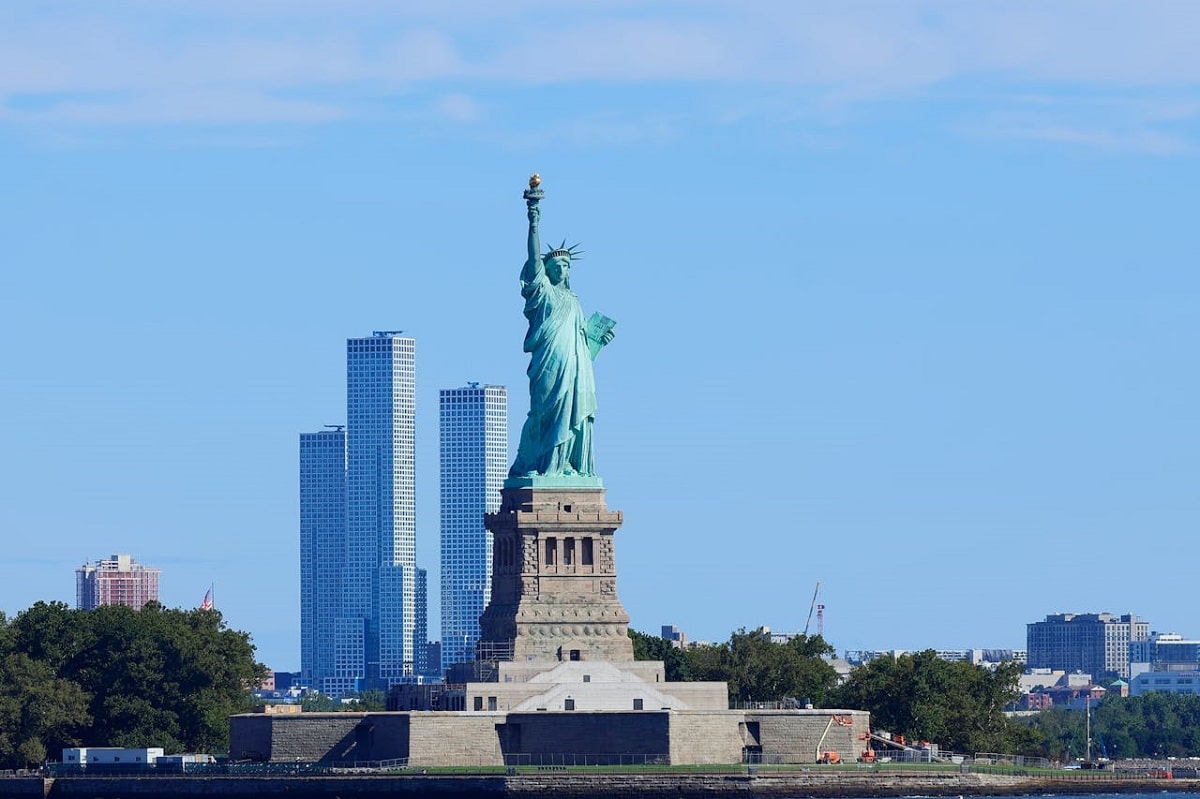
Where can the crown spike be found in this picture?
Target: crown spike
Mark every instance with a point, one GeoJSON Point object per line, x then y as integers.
{"type": "Point", "coordinates": [563, 249]}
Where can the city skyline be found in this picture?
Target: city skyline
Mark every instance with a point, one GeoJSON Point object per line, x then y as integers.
{"type": "Point", "coordinates": [905, 293]}
{"type": "Point", "coordinates": [363, 604]}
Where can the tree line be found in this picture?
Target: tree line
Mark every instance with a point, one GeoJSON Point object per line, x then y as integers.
{"type": "Point", "coordinates": [1154, 725]}
{"type": "Point", "coordinates": [960, 706]}
{"type": "Point", "coordinates": [115, 676]}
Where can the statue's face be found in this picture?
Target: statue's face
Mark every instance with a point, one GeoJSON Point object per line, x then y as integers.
{"type": "Point", "coordinates": [558, 269]}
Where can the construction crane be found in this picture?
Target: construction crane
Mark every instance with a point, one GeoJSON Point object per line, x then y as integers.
{"type": "Point", "coordinates": [812, 607]}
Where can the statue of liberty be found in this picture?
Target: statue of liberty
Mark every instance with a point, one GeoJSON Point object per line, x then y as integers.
{"type": "Point", "coordinates": [557, 437]}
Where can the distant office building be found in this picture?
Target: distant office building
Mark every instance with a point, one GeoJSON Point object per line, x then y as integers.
{"type": "Point", "coordinates": [1163, 652]}
{"type": "Point", "coordinates": [120, 580]}
{"type": "Point", "coordinates": [284, 680]}
{"type": "Point", "coordinates": [322, 553]}
{"type": "Point", "coordinates": [474, 462]}
{"type": "Point", "coordinates": [433, 657]}
{"type": "Point", "coordinates": [1171, 682]}
{"type": "Point", "coordinates": [376, 628]}
{"type": "Point", "coordinates": [677, 637]}
{"type": "Point", "coordinates": [1096, 643]}
{"type": "Point", "coordinates": [420, 644]}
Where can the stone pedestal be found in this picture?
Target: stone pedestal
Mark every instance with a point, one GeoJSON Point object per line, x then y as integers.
{"type": "Point", "coordinates": [554, 579]}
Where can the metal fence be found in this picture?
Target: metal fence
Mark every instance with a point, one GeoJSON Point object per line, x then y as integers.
{"type": "Point", "coordinates": [1018, 761]}
{"type": "Point", "coordinates": [779, 704]}
{"type": "Point", "coordinates": [352, 766]}
{"type": "Point", "coordinates": [564, 759]}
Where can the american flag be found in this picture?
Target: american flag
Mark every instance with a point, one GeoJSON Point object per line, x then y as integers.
{"type": "Point", "coordinates": [207, 604]}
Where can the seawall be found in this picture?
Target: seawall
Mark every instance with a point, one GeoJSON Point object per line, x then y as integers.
{"type": "Point", "coordinates": [667, 785]}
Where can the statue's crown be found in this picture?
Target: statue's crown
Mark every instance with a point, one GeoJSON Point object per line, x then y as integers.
{"type": "Point", "coordinates": [563, 251]}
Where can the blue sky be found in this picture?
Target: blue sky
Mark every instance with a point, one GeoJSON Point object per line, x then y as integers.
{"type": "Point", "coordinates": [906, 291]}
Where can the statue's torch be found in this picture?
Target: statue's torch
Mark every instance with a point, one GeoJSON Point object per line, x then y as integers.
{"type": "Point", "coordinates": [533, 194]}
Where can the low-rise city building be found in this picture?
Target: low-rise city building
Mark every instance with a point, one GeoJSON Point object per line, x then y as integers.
{"type": "Point", "coordinates": [978, 657]}
{"type": "Point", "coordinates": [111, 756]}
{"type": "Point", "coordinates": [1171, 682]}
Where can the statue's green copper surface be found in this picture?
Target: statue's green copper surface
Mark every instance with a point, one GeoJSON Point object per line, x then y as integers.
{"type": "Point", "coordinates": [556, 441]}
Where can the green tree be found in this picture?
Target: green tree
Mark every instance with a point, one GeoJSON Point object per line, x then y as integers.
{"type": "Point", "coordinates": [152, 677]}
{"type": "Point", "coordinates": [955, 704]}
{"type": "Point", "coordinates": [652, 647]}
{"type": "Point", "coordinates": [1151, 725]}
{"type": "Point", "coordinates": [39, 713]}
{"type": "Point", "coordinates": [759, 670]}
{"type": "Point", "coordinates": [317, 702]}
{"type": "Point", "coordinates": [372, 699]}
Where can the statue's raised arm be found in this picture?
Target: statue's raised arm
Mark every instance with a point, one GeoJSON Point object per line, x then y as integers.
{"type": "Point", "coordinates": [533, 264]}
{"type": "Point", "coordinates": [556, 440]}
{"type": "Point", "coordinates": [533, 269]}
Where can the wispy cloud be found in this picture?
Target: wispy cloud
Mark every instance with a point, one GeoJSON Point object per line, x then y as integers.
{"type": "Point", "coordinates": [458, 108]}
{"type": "Point", "coordinates": [1115, 123]}
{"type": "Point", "coordinates": [315, 61]}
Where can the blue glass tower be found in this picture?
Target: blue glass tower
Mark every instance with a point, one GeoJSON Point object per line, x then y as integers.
{"type": "Point", "coordinates": [474, 463]}
{"type": "Point", "coordinates": [322, 549]}
{"type": "Point", "coordinates": [379, 583]}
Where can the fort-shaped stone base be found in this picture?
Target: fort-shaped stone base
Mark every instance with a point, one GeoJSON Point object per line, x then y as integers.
{"type": "Point", "coordinates": [496, 738]}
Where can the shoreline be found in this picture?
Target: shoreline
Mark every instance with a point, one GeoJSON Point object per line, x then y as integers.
{"type": "Point", "coordinates": [664, 785]}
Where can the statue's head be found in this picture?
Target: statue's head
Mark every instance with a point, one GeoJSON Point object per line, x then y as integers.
{"type": "Point", "coordinates": [558, 263]}
{"type": "Point", "coordinates": [558, 269]}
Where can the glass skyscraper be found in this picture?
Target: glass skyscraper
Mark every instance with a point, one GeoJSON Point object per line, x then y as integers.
{"type": "Point", "coordinates": [474, 463]}
{"type": "Point", "coordinates": [376, 633]}
{"type": "Point", "coordinates": [379, 584]}
{"type": "Point", "coordinates": [322, 551]}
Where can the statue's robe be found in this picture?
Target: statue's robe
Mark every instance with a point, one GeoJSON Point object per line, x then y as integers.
{"type": "Point", "coordinates": [557, 436]}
